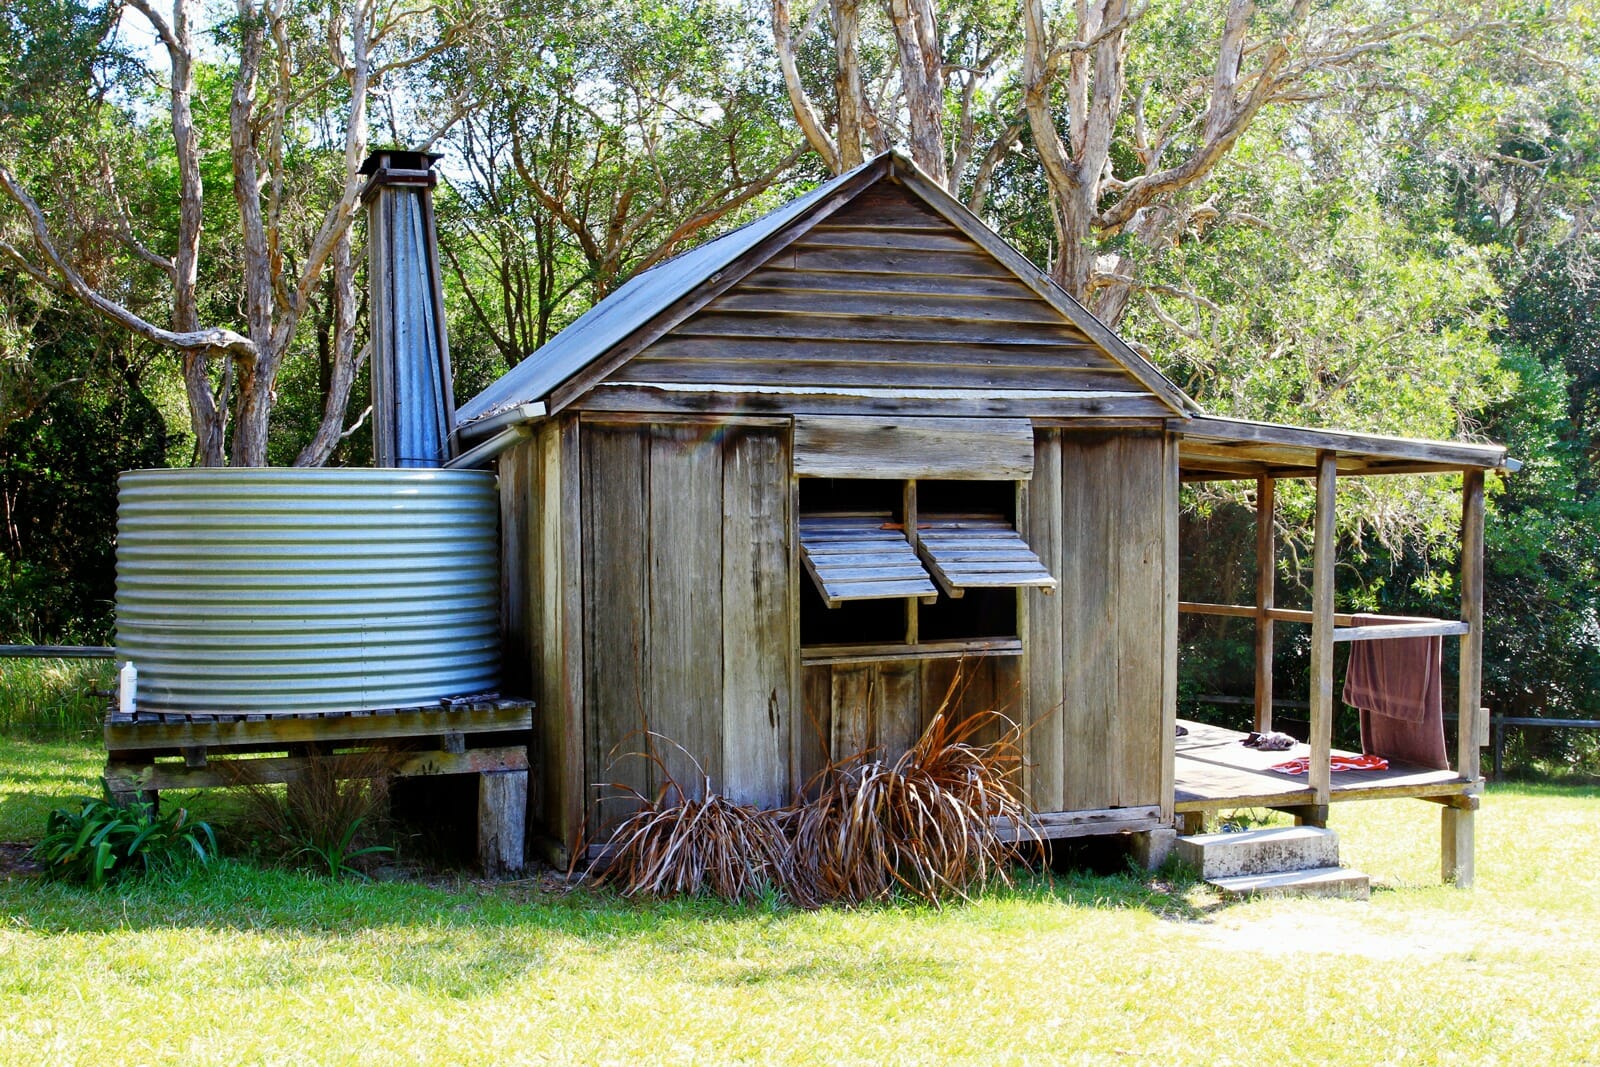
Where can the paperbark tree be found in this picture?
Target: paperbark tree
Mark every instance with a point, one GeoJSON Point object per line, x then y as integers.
{"type": "Point", "coordinates": [940, 63]}
{"type": "Point", "coordinates": [294, 75]}
{"type": "Point", "coordinates": [1125, 150]}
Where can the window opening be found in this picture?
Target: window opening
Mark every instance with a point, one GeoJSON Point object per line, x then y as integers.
{"type": "Point", "coordinates": [960, 585]}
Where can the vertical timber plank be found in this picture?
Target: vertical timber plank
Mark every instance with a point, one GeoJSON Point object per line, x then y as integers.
{"type": "Point", "coordinates": [542, 568]}
{"type": "Point", "coordinates": [569, 536]}
{"type": "Point", "coordinates": [1322, 569]}
{"type": "Point", "coordinates": [814, 730]}
{"type": "Point", "coordinates": [852, 696]}
{"type": "Point", "coordinates": [561, 795]}
{"type": "Point", "coordinates": [685, 635]}
{"type": "Point", "coordinates": [1043, 744]}
{"type": "Point", "coordinates": [944, 683]}
{"type": "Point", "coordinates": [1169, 645]}
{"type": "Point", "coordinates": [756, 652]}
{"type": "Point", "coordinates": [1266, 573]}
{"type": "Point", "coordinates": [616, 595]}
{"type": "Point", "coordinates": [1089, 478]}
{"type": "Point", "coordinates": [1470, 677]}
{"type": "Point", "coordinates": [900, 718]}
{"type": "Point", "coordinates": [1137, 719]}
{"type": "Point", "coordinates": [1457, 845]}
{"type": "Point", "coordinates": [514, 567]}
{"type": "Point", "coordinates": [502, 825]}
{"type": "Point", "coordinates": [1457, 829]}
{"type": "Point", "coordinates": [805, 735]}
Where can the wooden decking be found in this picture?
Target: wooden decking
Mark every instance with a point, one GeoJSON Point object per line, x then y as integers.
{"type": "Point", "coordinates": [1214, 771]}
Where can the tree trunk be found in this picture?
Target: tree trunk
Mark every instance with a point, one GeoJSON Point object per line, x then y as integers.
{"type": "Point", "coordinates": [916, 32]}
{"type": "Point", "coordinates": [847, 81]}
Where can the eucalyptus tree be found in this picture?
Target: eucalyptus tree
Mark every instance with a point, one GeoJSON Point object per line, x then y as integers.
{"type": "Point", "coordinates": [938, 79]}
{"type": "Point", "coordinates": [270, 100]}
{"type": "Point", "coordinates": [609, 137]}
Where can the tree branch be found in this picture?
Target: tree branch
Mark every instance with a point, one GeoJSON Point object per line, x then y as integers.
{"type": "Point", "coordinates": [69, 282]}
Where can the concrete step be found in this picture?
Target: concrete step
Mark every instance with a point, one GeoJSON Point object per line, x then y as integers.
{"type": "Point", "coordinates": [1266, 851]}
{"type": "Point", "coordinates": [1316, 882]}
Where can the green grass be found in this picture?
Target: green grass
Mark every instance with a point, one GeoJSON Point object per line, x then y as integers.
{"type": "Point", "coordinates": [246, 965]}
{"type": "Point", "coordinates": [54, 697]}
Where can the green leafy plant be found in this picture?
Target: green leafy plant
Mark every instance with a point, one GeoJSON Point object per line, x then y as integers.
{"type": "Point", "coordinates": [338, 854]}
{"type": "Point", "coordinates": [100, 842]}
{"type": "Point", "coordinates": [322, 817]}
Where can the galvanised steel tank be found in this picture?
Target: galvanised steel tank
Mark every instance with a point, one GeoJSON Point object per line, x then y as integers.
{"type": "Point", "coordinates": [282, 590]}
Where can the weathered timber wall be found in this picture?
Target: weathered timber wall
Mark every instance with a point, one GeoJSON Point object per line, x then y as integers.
{"type": "Point", "coordinates": [687, 596]}
{"type": "Point", "coordinates": [852, 707]}
{"type": "Point", "coordinates": [1101, 693]}
{"type": "Point", "coordinates": [650, 586]}
{"type": "Point", "coordinates": [540, 572]}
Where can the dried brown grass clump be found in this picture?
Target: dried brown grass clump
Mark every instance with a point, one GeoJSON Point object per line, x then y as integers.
{"type": "Point", "coordinates": [925, 823]}
{"type": "Point", "coordinates": [940, 821]}
{"type": "Point", "coordinates": [677, 843]}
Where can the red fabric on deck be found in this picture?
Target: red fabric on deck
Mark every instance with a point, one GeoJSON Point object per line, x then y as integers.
{"type": "Point", "coordinates": [1302, 765]}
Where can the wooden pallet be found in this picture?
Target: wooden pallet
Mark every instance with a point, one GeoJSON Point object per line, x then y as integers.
{"type": "Point", "coordinates": [148, 752]}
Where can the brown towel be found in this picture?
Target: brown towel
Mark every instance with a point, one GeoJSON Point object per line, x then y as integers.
{"type": "Point", "coordinates": [1395, 682]}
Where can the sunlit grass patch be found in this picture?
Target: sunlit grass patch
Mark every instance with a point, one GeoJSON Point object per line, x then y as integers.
{"type": "Point", "coordinates": [249, 964]}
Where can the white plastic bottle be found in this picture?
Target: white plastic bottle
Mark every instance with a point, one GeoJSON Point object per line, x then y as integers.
{"type": "Point", "coordinates": [127, 687]}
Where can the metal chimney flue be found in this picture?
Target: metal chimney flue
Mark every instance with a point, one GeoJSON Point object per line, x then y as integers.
{"type": "Point", "coordinates": [413, 407]}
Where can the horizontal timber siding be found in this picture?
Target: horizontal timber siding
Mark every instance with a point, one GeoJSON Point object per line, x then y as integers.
{"type": "Point", "coordinates": [884, 293]}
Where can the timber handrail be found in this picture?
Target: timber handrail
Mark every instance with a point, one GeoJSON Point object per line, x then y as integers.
{"type": "Point", "coordinates": [1346, 628]}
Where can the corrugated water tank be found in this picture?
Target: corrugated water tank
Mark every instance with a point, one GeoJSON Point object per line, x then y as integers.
{"type": "Point", "coordinates": [284, 590]}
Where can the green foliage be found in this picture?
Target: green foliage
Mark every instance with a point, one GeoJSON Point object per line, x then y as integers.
{"type": "Point", "coordinates": [319, 820]}
{"type": "Point", "coordinates": [101, 842]}
{"type": "Point", "coordinates": [53, 698]}
{"type": "Point", "coordinates": [74, 412]}
{"type": "Point", "coordinates": [338, 852]}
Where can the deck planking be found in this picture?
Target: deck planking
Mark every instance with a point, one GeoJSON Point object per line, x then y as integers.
{"type": "Point", "coordinates": [1213, 770]}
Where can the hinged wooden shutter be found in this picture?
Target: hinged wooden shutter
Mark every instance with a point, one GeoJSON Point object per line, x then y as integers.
{"type": "Point", "coordinates": [975, 553]}
{"type": "Point", "coordinates": [861, 557]}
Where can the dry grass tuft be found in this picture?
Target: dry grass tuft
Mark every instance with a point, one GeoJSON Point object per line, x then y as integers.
{"type": "Point", "coordinates": [333, 807]}
{"type": "Point", "coordinates": [925, 823]}
{"type": "Point", "coordinates": [678, 843]}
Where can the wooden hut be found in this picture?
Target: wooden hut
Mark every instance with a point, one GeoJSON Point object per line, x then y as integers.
{"type": "Point", "coordinates": [767, 499]}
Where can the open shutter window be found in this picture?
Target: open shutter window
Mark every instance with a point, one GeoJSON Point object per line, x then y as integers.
{"type": "Point", "coordinates": [977, 553]}
{"type": "Point", "coordinates": [861, 557]}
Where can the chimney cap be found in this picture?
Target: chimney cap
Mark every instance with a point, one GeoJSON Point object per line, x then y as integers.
{"type": "Point", "coordinates": [398, 159]}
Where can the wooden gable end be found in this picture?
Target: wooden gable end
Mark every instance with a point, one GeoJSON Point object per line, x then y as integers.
{"type": "Point", "coordinates": [885, 294]}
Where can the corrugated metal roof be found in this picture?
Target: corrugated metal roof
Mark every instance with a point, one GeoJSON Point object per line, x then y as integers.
{"type": "Point", "coordinates": [640, 299]}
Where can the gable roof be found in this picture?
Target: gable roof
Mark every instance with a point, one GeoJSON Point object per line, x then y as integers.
{"type": "Point", "coordinates": [655, 300]}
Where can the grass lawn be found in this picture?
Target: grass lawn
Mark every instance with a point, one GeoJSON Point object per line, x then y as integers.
{"type": "Point", "coordinates": [243, 965]}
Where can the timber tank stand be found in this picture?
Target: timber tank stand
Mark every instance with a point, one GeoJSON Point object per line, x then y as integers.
{"type": "Point", "coordinates": [148, 752]}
